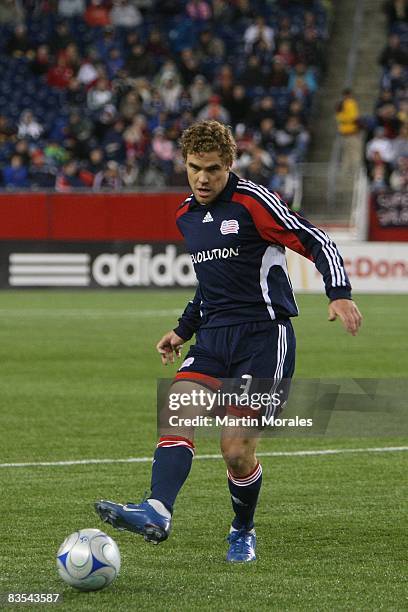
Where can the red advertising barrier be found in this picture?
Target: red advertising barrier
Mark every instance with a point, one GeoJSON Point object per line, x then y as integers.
{"type": "Point", "coordinates": [144, 216]}
{"type": "Point", "coordinates": [78, 216]}
{"type": "Point", "coordinates": [388, 217]}
{"type": "Point", "coordinates": [23, 216]}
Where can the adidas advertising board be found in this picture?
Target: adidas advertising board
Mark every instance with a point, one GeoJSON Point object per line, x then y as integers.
{"type": "Point", "coordinates": [116, 264]}
{"type": "Point", "coordinates": [377, 267]}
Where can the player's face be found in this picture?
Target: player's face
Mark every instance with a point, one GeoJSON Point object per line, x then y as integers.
{"type": "Point", "coordinates": [207, 175]}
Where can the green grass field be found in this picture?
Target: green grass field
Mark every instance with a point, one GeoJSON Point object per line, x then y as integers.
{"type": "Point", "coordinates": [78, 381]}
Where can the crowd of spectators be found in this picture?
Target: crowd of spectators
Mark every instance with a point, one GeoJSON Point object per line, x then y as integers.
{"type": "Point", "coordinates": [95, 93]}
{"type": "Point", "coordinates": [386, 150]}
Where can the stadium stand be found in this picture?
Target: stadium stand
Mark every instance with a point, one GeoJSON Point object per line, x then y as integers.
{"type": "Point", "coordinates": [386, 152]}
{"type": "Point", "coordinates": [94, 95]}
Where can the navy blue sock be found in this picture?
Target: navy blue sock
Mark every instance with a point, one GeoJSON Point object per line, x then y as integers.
{"type": "Point", "coordinates": [171, 466]}
{"type": "Point", "coordinates": [244, 497]}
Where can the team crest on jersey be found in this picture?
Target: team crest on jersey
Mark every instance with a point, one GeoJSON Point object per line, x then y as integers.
{"type": "Point", "coordinates": [229, 226]}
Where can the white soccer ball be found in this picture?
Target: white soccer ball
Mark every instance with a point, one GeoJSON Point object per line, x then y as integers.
{"type": "Point", "coordinates": [88, 560]}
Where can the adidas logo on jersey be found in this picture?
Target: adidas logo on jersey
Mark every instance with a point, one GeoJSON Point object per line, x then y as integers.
{"type": "Point", "coordinates": [208, 218]}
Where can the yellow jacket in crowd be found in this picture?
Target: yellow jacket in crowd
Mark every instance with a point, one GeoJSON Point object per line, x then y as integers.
{"type": "Point", "coordinates": [347, 117]}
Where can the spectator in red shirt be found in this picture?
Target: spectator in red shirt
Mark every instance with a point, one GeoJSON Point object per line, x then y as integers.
{"type": "Point", "coordinates": [97, 14]}
{"type": "Point", "coordinates": [285, 54]}
{"type": "Point", "coordinates": [60, 75]}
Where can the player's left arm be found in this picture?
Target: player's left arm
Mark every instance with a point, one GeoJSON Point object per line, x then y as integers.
{"type": "Point", "coordinates": [286, 227]}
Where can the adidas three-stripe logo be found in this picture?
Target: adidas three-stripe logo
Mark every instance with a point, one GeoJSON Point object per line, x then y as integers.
{"type": "Point", "coordinates": [208, 218]}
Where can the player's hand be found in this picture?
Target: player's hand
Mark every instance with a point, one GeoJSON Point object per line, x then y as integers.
{"type": "Point", "coordinates": [348, 313]}
{"type": "Point", "coordinates": [168, 346]}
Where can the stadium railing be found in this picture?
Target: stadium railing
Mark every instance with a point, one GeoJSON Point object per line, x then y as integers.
{"type": "Point", "coordinates": [325, 199]}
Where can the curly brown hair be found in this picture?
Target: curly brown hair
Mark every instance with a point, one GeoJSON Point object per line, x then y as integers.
{"type": "Point", "coordinates": [207, 136]}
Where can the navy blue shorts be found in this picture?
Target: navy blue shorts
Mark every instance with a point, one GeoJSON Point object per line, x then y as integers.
{"type": "Point", "coordinates": [260, 350]}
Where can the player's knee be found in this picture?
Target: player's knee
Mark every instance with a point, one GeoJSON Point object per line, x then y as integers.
{"type": "Point", "coordinates": [239, 458]}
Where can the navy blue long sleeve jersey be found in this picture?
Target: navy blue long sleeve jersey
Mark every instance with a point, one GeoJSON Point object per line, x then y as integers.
{"type": "Point", "coordinates": [237, 245]}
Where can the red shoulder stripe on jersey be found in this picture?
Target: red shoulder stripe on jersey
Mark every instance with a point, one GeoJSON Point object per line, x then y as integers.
{"type": "Point", "coordinates": [268, 227]}
{"type": "Point", "coordinates": [183, 208]}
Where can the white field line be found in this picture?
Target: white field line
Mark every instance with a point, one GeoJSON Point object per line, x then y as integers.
{"type": "Point", "coordinates": [301, 453]}
{"type": "Point", "coordinates": [87, 313]}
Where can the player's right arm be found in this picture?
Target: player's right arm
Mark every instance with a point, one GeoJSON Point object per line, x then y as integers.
{"type": "Point", "coordinates": [189, 322]}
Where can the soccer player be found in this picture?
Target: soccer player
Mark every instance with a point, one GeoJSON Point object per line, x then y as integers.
{"type": "Point", "coordinates": [236, 232]}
